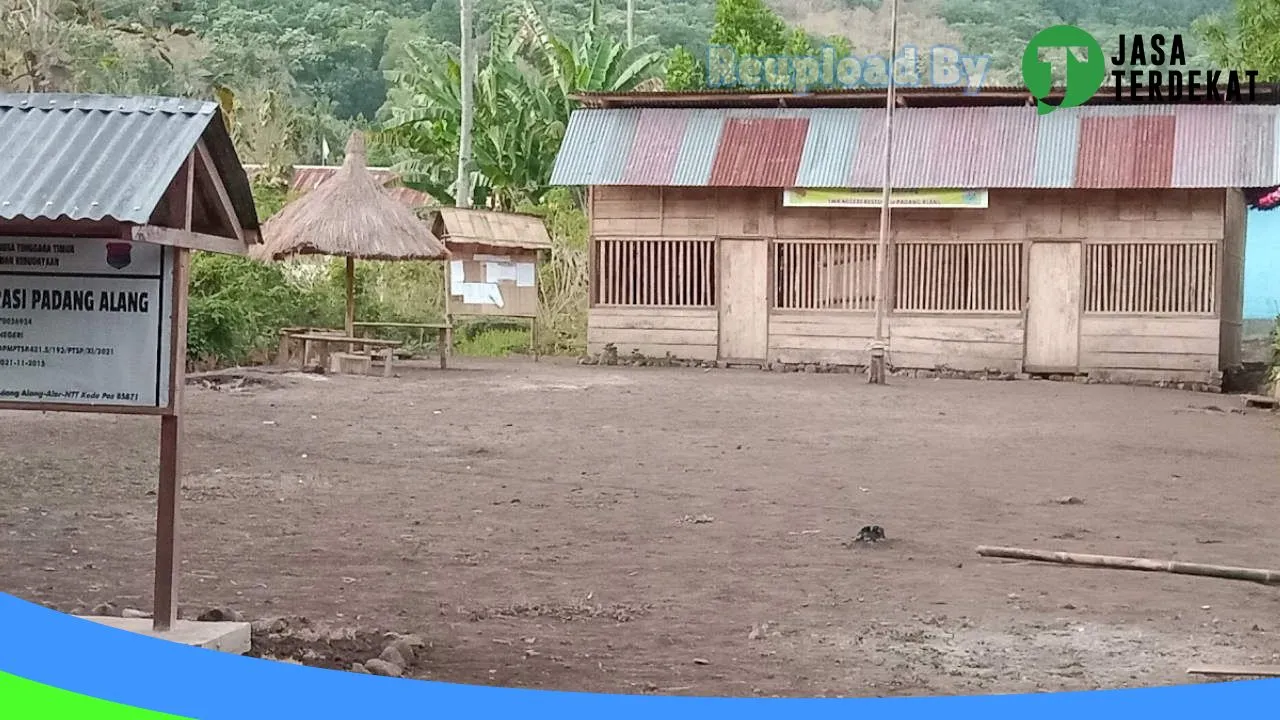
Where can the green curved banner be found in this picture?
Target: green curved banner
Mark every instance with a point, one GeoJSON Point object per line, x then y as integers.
{"type": "Point", "coordinates": [27, 700]}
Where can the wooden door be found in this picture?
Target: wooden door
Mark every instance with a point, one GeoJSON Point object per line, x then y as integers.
{"type": "Point", "coordinates": [1053, 307]}
{"type": "Point", "coordinates": [744, 300]}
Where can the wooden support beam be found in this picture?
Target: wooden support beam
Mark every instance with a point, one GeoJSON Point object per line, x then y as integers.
{"type": "Point", "coordinates": [220, 190]}
{"type": "Point", "coordinates": [169, 488]}
{"type": "Point", "coordinates": [188, 239]}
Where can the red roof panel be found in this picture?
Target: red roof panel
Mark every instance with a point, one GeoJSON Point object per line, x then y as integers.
{"type": "Point", "coordinates": [1107, 157]}
{"type": "Point", "coordinates": [759, 152]}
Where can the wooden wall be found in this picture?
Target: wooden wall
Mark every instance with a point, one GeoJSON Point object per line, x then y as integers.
{"type": "Point", "coordinates": [974, 332]}
{"type": "Point", "coordinates": [686, 334]}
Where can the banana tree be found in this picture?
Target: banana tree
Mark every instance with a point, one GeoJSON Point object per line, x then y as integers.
{"type": "Point", "coordinates": [593, 61]}
{"type": "Point", "coordinates": [516, 127]}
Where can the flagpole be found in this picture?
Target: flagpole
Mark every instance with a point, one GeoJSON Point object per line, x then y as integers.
{"type": "Point", "coordinates": [876, 368]}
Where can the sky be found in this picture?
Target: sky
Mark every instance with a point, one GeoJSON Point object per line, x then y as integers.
{"type": "Point", "coordinates": [1262, 265]}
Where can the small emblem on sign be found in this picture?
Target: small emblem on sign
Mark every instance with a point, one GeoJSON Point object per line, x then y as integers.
{"type": "Point", "coordinates": [119, 255]}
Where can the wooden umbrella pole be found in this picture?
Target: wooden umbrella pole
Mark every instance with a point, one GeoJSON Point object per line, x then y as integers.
{"type": "Point", "coordinates": [351, 299]}
{"type": "Point", "coordinates": [1266, 577]}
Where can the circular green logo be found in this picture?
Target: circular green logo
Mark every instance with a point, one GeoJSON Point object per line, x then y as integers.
{"type": "Point", "coordinates": [1082, 79]}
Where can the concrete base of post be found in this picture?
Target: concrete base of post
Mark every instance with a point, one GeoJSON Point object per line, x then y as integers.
{"type": "Point", "coordinates": [231, 637]}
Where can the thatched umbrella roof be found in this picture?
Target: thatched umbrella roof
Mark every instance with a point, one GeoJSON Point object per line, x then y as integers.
{"type": "Point", "coordinates": [350, 215]}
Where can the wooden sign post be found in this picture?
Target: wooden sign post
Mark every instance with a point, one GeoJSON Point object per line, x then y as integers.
{"type": "Point", "coordinates": [99, 325]}
{"type": "Point", "coordinates": [93, 295]}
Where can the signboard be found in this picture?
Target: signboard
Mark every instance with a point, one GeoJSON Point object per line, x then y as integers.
{"type": "Point", "coordinates": [837, 197]}
{"type": "Point", "coordinates": [85, 321]}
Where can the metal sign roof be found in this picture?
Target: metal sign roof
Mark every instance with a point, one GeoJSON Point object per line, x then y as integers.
{"type": "Point", "coordinates": [95, 157]}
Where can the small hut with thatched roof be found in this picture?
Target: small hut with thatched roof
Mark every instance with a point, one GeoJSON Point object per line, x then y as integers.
{"type": "Point", "coordinates": [350, 215]}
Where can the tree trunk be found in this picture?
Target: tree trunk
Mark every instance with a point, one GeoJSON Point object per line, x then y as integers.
{"type": "Point", "coordinates": [631, 14]}
{"type": "Point", "coordinates": [462, 193]}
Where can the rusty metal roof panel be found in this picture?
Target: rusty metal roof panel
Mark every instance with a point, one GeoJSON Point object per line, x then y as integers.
{"type": "Point", "coordinates": [1000, 147]}
{"type": "Point", "coordinates": [86, 157]}
{"type": "Point", "coordinates": [760, 151]}
{"type": "Point", "coordinates": [1126, 152]}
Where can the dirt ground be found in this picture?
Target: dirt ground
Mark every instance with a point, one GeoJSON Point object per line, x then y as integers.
{"type": "Point", "coordinates": [635, 529]}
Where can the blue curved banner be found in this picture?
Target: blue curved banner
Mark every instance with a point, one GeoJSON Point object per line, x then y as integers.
{"type": "Point", "coordinates": [43, 652]}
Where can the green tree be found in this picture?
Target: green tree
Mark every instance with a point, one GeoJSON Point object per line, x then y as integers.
{"type": "Point", "coordinates": [1248, 40]}
{"type": "Point", "coordinates": [750, 28]}
{"type": "Point", "coordinates": [592, 61]}
{"type": "Point", "coordinates": [683, 71]}
{"type": "Point", "coordinates": [523, 90]}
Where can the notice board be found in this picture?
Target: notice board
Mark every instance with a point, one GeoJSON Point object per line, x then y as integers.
{"type": "Point", "coordinates": [499, 285]}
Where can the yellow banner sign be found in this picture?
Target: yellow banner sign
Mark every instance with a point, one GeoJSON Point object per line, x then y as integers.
{"type": "Point", "coordinates": [838, 197]}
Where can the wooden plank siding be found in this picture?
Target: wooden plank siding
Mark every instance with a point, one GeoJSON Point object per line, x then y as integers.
{"type": "Point", "coordinates": [1159, 277]}
{"type": "Point", "coordinates": [686, 334]}
{"type": "Point", "coordinates": [1149, 343]}
{"type": "Point", "coordinates": [966, 343]}
{"type": "Point", "coordinates": [809, 337]}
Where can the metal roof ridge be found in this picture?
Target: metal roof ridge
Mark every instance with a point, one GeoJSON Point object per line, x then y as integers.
{"type": "Point", "coordinates": [106, 103]}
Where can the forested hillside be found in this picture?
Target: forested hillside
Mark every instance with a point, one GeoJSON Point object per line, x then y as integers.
{"type": "Point", "coordinates": [327, 59]}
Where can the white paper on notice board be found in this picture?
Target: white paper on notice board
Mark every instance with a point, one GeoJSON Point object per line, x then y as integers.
{"type": "Point", "coordinates": [480, 294]}
{"type": "Point", "coordinates": [524, 274]}
{"type": "Point", "coordinates": [456, 275]}
{"type": "Point", "coordinates": [497, 272]}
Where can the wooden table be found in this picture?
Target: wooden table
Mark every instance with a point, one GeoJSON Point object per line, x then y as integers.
{"type": "Point", "coordinates": [444, 334]}
{"type": "Point", "coordinates": [326, 340]}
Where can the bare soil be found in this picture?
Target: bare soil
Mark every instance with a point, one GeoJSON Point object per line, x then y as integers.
{"type": "Point", "coordinates": [677, 530]}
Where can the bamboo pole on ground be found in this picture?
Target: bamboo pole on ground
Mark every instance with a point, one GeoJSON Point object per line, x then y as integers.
{"type": "Point", "coordinates": [1236, 670]}
{"type": "Point", "coordinates": [1266, 577]}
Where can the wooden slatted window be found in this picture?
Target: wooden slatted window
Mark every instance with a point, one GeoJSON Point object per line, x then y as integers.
{"type": "Point", "coordinates": [981, 277]}
{"type": "Point", "coordinates": [655, 272]}
{"type": "Point", "coordinates": [1150, 278]}
{"type": "Point", "coordinates": [824, 275]}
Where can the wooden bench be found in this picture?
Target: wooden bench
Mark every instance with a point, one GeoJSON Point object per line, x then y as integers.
{"type": "Point", "coordinates": [444, 334]}
{"type": "Point", "coordinates": [323, 342]}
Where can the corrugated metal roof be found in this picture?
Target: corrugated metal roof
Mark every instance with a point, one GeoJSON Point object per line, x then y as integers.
{"type": "Point", "coordinates": [867, 97]}
{"type": "Point", "coordinates": [95, 157]}
{"type": "Point", "coordinates": [1115, 146]}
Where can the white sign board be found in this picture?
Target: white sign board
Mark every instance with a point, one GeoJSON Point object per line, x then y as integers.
{"type": "Point", "coordinates": [85, 321]}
